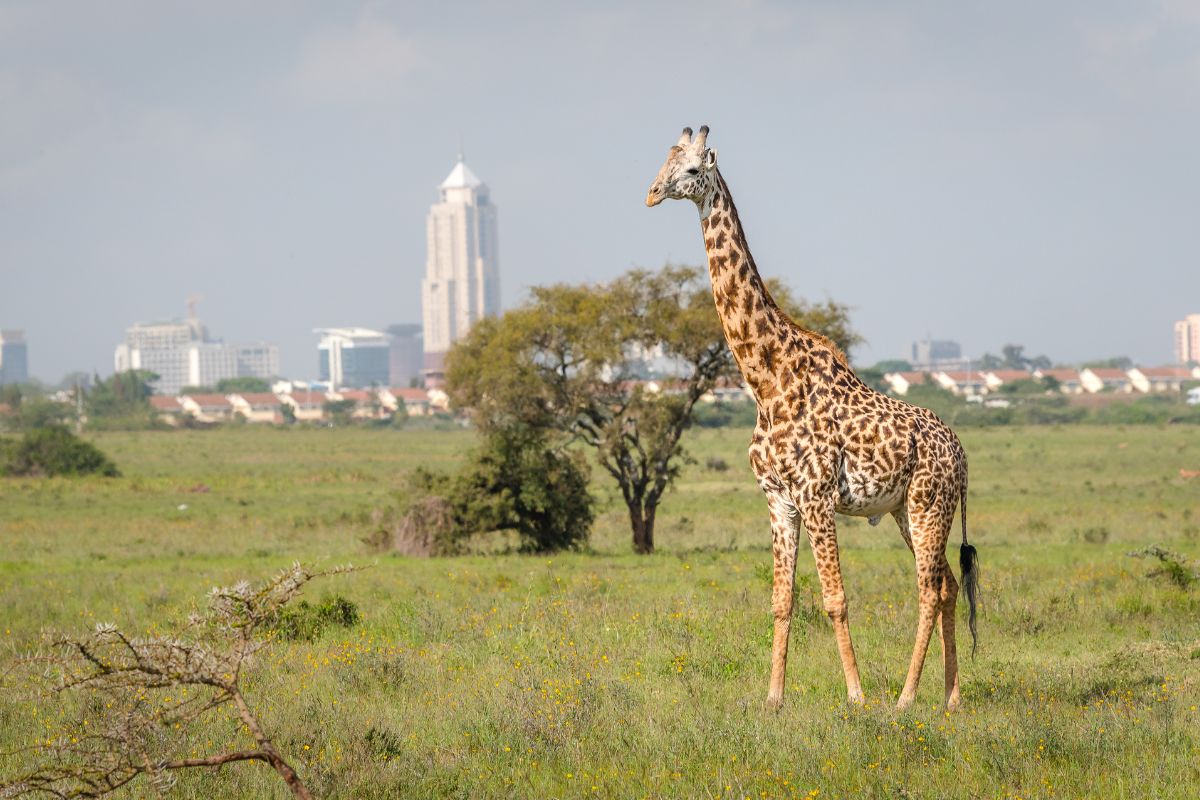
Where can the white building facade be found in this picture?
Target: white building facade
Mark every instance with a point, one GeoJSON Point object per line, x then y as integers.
{"type": "Point", "coordinates": [462, 277]}
{"type": "Point", "coordinates": [1187, 339]}
{"type": "Point", "coordinates": [179, 353]}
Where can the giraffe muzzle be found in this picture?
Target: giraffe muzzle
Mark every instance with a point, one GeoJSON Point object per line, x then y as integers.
{"type": "Point", "coordinates": [654, 196]}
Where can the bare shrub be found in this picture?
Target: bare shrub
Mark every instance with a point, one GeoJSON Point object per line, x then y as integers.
{"type": "Point", "coordinates": [427, 529]}
{"type": "Point", "coordinates": [137, 715]}
{"type": "Point", "coordinates": [1174, 566]}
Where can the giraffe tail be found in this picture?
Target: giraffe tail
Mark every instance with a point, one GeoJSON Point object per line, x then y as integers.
{"type": "Point", "coordinates": [969, 563]}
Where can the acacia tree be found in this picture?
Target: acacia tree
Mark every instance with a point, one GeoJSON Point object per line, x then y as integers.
{"type": "Point", "coordinates": [569, 360]}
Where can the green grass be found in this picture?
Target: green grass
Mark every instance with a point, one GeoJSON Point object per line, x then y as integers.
{"type": "Point", "coordinates": [603, 674]}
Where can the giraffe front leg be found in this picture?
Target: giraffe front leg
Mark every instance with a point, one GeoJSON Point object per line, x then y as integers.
{"type": "Point", "coordinates": [822, 536]}
{"type": "Point", "coordinates": [784, 543]}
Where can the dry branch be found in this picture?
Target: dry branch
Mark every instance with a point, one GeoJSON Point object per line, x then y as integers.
{"type": "Point", "coordinates": [136, 731]}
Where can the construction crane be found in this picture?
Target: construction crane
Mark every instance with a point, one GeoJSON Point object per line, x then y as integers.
{"type": "Point", "coordinates": [192, 300]}
{"type": "Point", "coordinates": [198, 332]}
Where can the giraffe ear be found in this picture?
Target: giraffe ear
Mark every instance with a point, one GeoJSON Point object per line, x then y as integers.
{"type": "Point", "coordinates": [710, 159]}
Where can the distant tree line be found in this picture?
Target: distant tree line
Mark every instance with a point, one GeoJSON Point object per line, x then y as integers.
{"type": "Point", "coordinates": [1032, 402]}
{"type": "Point", "coordinates": [231, 386]}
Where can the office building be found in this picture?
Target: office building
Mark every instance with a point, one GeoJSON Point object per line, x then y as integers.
{"type": "Point", "coordinates": [353, 358]}
{"type": "Point", "coordinates": [14, 357]}
{"type": "Point", "coordinates": [181, 354]}
{"type": "Point", "coordinates": [462, 278]}
{"type": "Point", "coordinates": [405, 357]}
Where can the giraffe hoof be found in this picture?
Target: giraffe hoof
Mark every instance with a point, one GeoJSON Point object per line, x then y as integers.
{"type": "Point", "coordinates": [903, 703]}
{"type": "Point", "coordinates": [856, 697]}
{"type": "Point", "coordinates": [952, 703]}
{"type": "Point", "coordinates": [774, 703]}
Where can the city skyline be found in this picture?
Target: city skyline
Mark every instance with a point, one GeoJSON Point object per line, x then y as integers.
{"type": "Point", "coordinates": [1185, 336]}
{"type": "Point", "coordinates": [989, 173]}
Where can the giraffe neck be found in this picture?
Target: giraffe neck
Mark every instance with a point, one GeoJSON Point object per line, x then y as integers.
{"type": "Point", "coordinates": [754, 325]}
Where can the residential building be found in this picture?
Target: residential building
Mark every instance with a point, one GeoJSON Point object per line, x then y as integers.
{"type": "Point", "coordinates": [416, 401]}
{"type": "Point", "coordinates": [462, 277]}
{"type": "Point", "coordinates": [1187, 340]}
{"type": "Point", "coordinates": [14, 357]}
{"type": "Point", "coordinates": [367, 404]}
{"type": "Point", "coordinates": [307, 405]}
{"type": "Point", "coordinates": [1069, 381]}
{"type": "Point", "coordinates": [900, 382]}
{"type": "Point", "coordinates": [257, 406]}
{"type": "Point", "coordinates": [207, 407]}
{"type": "Point", "coordinates": [993, 379]}
{"type": "Point", "coordinates": [167, 408]}
{"type": "Point", "coordinates": [1162, 379]}
{"type": "Point", "coordinates": [406, 354]}
{"type": "Point", "coordinates": [1104, 379]}
{"type": "Point", "coordinates": [353, 357]}
{"type": "Point", "coordinates": [967, 383]}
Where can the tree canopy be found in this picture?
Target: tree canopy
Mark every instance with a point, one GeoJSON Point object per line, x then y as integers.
{"type": "Point", "coordinates": [121, 400]}
{"type": "Point", "coordinates": [575, 359]}
{"type": "Point", "coordinates": [1012, 356]}
{"type": "Point", "coordinates": [244, 383]}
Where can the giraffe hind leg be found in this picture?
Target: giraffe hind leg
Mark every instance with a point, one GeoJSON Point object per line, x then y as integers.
{"type": "Point", "coordinates": [936, 592]}
{"type": "Point", "coordinates": [948, 598]}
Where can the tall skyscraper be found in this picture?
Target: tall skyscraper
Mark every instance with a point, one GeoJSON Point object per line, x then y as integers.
{"type": "Point", "coordinates": [1187, 339]}
{"type": "Point", "coordinates": [14, 357]}
{"type": "Point", "coordinates": [462, 277]}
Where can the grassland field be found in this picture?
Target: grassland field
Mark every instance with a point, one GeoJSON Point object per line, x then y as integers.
{"type": "Point", "coordinates": [605, 674]}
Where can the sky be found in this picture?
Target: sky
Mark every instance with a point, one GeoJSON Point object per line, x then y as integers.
{"type": "Point", "coordinates": [986, 172]}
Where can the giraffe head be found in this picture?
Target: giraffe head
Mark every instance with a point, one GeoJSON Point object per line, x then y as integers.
{"type": "Point", "coordinates": [688, 173]}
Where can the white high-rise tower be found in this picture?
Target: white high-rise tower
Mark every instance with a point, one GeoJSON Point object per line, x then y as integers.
{"type": "Point", "coordinates": [462, 277]}
{"type": "Point", "coordinates": [1187, 339]}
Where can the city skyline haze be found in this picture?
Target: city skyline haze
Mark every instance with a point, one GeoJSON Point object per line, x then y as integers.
{"type": "Point", "coordinates": [1024, 173]}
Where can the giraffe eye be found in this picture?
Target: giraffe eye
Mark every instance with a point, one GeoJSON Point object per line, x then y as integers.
{"type": "Point", "coordinates": [692, 171]}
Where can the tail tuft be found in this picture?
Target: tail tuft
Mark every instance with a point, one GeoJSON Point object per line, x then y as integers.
{"type": "Point", "coordinates": [968, 561]}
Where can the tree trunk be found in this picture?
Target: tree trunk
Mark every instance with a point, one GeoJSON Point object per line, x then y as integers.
{"type": "Point", "coordinates": [642, 520]}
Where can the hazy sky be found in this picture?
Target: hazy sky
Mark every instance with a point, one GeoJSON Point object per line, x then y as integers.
{"type": "Point", "coordinates": [987, 172]}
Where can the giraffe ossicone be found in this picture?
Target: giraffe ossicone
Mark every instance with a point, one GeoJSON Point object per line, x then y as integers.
{"type": "Point", "coordinates": [826, 443]}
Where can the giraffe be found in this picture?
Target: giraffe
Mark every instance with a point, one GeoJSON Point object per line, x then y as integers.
{"type": "Point", "coordinates": [827, 443]}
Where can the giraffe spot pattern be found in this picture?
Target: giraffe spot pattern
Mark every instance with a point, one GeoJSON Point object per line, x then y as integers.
{"type": "Point", "coordinates": [827, 443]}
